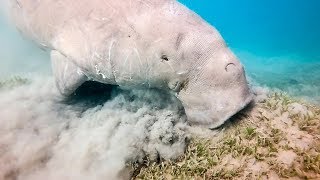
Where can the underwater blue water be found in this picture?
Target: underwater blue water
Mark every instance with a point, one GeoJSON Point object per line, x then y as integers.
{"type": "Point", "coordinates": [278, 41]}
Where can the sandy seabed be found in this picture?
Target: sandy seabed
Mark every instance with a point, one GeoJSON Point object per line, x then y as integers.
{"type": "Point", "coordinates": [277, 137]}
{"type": "Point", "coordinates": [143, 134]}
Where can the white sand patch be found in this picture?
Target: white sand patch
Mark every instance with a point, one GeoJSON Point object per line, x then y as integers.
{"type": "Point", "coordinates": [296, 109]}
{"type": "Point", "coordinates": [286, 157]}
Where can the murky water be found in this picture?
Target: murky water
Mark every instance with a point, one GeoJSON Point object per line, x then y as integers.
{"type": "Point", "coordinates": [18, 56]}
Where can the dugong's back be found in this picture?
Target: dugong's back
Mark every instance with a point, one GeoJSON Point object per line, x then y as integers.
{"type": "Point", "coordinates": [42, 20]}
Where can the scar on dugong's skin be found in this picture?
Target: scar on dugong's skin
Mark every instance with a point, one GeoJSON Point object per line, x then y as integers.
{"type": "Point", "coordinates": [139, 43]}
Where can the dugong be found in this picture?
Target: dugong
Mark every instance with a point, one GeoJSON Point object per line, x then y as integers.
{"type": "Point", "coordinates": [138, 43]}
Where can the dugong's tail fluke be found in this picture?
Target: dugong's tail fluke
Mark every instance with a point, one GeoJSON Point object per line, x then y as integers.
{"type": "Point", "coordinates": [68, 76]}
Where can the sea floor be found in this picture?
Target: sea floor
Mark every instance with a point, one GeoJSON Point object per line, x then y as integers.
{"type": "Point", "coordinates": [276, 138]}
{"type": "Point", "coordinates": [128, 133]}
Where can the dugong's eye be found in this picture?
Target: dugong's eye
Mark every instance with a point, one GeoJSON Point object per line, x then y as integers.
{"type": "Point", "coordinates": [164, 58]}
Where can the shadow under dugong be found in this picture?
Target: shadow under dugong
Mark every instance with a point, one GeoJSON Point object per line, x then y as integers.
{"type": "Point", "coordinates": [139, 43]}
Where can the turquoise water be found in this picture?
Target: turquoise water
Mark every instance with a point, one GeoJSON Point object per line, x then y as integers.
{"type": "Point", "coordinates": [278, 41]}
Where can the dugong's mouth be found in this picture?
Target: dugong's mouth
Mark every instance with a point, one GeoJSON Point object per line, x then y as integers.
{"type": "Point", "coordinates": [245, 104]}
{"type": "Point", "coordinates": [211, 118]}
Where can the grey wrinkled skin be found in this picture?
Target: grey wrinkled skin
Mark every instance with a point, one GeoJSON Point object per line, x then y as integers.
{"type": "Point", "coordinates": [138, 43]}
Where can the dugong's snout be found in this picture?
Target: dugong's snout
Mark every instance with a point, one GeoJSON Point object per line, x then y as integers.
{"type": "Point", "coordinates": [216, 93]}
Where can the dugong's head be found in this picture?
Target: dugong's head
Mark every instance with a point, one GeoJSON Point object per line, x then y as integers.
{"type": "Point", "coordinates": [209, 79]}
{"type": "Point", "coordinates": [216, 89]}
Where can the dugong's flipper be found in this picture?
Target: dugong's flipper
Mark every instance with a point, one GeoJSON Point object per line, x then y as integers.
{"type": "Point", "coordinates": [67, 75]}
